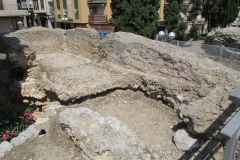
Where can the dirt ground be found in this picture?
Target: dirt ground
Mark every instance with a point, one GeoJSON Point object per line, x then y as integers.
{"type": "Point", "coordinates": [151, 120]}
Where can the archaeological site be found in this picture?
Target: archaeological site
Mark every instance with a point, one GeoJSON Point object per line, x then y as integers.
{"type": "Point", "coordinates": [124, 97]}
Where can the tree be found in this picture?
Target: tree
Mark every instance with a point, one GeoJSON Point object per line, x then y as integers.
{"type": "Point", "coordinates": [136, 16]}
{"type": "Point", "coordinates": [228, 12]}
{"type": "Point", "coordinates": [194, 11]}
{"type": "Point", "coordinates": [210, 12]}
{"type": "Point", "coordinates": [219, 12]}
{"type": "Point", "coordinates": [193, 33]}
{"type": "Point", "coordinates": [180, 31]}
{"type": "Point", "coordinates": [171, 14]}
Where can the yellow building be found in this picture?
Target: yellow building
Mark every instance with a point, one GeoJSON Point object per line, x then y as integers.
{"type": "Point", "coordinates": [87, 14]}
{"type": "Point", "coordinates": [161, 9]}
{"type": "Point", "coordinates": [84, 13]}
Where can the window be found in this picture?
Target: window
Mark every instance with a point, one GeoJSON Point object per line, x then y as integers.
{"type": "Point", "coordinates": [42, 4]}
{"type": "Point", "coordinates": [50, 7]}
{"type": "Point", "coordinates": [58, 3]}
{"type": "Point", "coordinates": [76, 3]}
{"type": "Point", "coordinates": [92, 10]}
{"type": "Point", "coordinates": [64, 3]}
{"type": "Point", "coordinates": [65, 12]}
{"type": "Point", "coordinates": [59, 13]}
{"type": "Point", "coordinates": [77, 15]}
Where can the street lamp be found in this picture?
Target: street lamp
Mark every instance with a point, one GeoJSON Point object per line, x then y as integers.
{"type": "Point", "coordinates": [64, 21]}
{"type": "Point", "coordinates": [29, 20]}
{"type": "Point", "coordinates": [166, 36]}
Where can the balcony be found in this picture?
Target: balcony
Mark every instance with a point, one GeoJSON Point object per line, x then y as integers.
{"type": "Point", "coordinates": [97, 18]}
{"type": "Point", "coordinates": [11, 10]}
{"type": "Point", "coordinates": [38, 8]}
{"type": "Point", "coordinates": [10, 7]}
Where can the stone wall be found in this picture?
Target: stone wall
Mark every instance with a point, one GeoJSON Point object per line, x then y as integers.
{"type": "Point", "coordinates": [22, 46]}
{"type": "Point", "coordinates": [83, 41]}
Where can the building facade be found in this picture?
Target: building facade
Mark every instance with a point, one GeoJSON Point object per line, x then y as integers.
{"type": "Point", "coordinates": [88, 14]}
{"type": "Point", "coordinates": [84, 13]}
{"type": "Point", "coordinates": [41, 13]}
{"type": "Point", "coordinates": [32, 13]}
{"type": "Point", "coordinates": [11, 12]}
{"type": "Point", "coordinates": [200, 21]}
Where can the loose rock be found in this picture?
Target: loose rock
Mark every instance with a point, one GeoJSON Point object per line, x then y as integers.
{"type": "Point", "coordinates": [99, 137]}
{"type": "Point", "coordinates": [184, 140]}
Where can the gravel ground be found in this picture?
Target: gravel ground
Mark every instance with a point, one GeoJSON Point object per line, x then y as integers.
{"type": "Point", "coordinates": [151, 120]}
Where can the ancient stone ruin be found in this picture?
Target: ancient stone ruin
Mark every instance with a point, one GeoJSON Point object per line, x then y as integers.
{"type": "Point", "coordinates": [69, 66]}
{"type": "Point", "coordinates": [228, 37]}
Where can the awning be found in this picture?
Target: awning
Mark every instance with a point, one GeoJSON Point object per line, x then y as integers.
{"type": "Point", "coordinates": [96, 4]}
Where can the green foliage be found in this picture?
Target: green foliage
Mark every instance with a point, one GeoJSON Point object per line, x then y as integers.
{"type": "Point", "coordinates": [194, 11]}
{"type": "Point", "coordinates": [220, 12]}
{"type": "Point", "coordinates": [171, 15]}
{"type": "Point", "coordinates": [180, 31]}
{"type": "Point", "coordinates": [228, 11]}
{"type": "Point", "coordinates": [193, 33]}
{"type": "Point", "coordinates": [136, 16]}
{"type": "Point", "coordinates": [12, 117]}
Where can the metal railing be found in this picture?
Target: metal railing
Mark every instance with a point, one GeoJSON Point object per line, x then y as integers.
{"type": "Point", "coordinates": [18, 6]}
{"type": "Point", "coordinates": [97, 18]}
{"type": "Point", "coordinates": [10, 6]}
{"type": "Point", "coordinates": [225, 55]}
{"type": "Point", "coordinates": [212, 50]}
{"type": "Point", "coordinates": [231, 131]}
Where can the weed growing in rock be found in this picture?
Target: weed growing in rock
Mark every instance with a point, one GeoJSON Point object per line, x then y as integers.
{"type": "Point", "coordinates": [14, 118]}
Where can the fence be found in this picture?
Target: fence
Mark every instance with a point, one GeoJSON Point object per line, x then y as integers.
{"type": "Point", "coordinates": [225, 55]}
{"type": "Point", "coordinates": [231, 131]}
